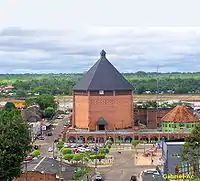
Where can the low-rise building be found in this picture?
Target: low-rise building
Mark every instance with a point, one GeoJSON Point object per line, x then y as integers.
{"type": "Point", "coordinates": [171, 159]}
{"type": "Point", "coordinates": [44, 169]}
{"type": "Point", "coordinates": [179, 119]}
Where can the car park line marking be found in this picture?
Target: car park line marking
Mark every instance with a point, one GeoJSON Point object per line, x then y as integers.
{"type": "Point", "coordinates": [39, 163]}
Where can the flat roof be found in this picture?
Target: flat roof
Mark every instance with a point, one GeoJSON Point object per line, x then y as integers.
{"type": "Point", "coordinates": [175, 143]}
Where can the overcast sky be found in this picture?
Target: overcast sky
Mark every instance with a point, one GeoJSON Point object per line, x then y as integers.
{"type": "Point", "coordinates": [67, 36]}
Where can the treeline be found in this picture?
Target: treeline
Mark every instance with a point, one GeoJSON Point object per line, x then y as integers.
{"type": "Point", "coordinates": [63, 85]}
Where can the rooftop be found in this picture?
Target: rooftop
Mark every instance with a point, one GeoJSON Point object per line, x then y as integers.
{"type": "Point", "coordinates": [49, 165]}
{"type": "Point", "coordinates": [179, 114]}
{"type": "Point", "coordinates": [103, 76]}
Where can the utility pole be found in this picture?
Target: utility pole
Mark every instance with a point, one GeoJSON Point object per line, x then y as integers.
{"type": "Point", "coordinates": [26, 171]}
{"type": "Point", "coordinates": [157, 90]}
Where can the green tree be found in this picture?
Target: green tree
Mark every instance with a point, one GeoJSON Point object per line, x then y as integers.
{"type": "Point", "coordinates": [135, 143]}
{"type": "Point", "coordinates": [14, 143]}
{"type": "Point", "coordinates": [49, 112]}
{"type": "Point", "coordinates": [191, 151]}
{"type": "Point", "coordinates": [9, 106]}
{"type": "Point", "coordinates": [35, 153]}
{"type": "Point", "coordinates": [60, 145]}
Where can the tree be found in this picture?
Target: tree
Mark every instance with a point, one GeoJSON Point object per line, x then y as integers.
{"type": "Point", "coordinates": [135, 143]}
{"type": "Point", "coordinates": [9, 106]}
{"type": "Point", "coordinates": [49, 112]}
{"type": "Point", "coordinates": [14, 143]}
{"type": "Point", "coordinates": [191, 151]}
{"type": "Point", "coordinates": [60, 145]}
{"type": "Point", "coordinates": [35, 153]}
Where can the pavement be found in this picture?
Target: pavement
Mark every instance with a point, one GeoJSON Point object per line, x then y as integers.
{"type": "Point", "coordinates": [142, 160]}
{"type": "Point", "coordinates": [123, 167]}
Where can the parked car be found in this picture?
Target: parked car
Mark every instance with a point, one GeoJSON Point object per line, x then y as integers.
{"type": "Point", "coordinates": [36, 147]}
{"type": "Point", "coordinates": [28, 158]}
{"type": "Point", "coordinates": [98, 178]}
{"type": "Point", "coordinates": [49, 134]}
{"type": "Point", "coordinates": [133, 178]}
{"type": "Point", "coordinates": [50, 149]}
{"type": "Point", "coordinates": [41, 138]}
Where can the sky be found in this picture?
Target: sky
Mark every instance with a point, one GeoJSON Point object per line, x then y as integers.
{"type": "Point", "coordinates": [67, 36]}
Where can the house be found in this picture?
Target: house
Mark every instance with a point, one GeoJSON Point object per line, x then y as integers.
{"type": "Point", "coordinates": [46, 167]}
{"type": "Point", "coordinates": [31, 114]}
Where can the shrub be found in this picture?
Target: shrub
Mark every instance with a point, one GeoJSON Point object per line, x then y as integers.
{"type": "Point", "coordinates": [65, 151]}
{"type": "Point", "coordinates": [68, 157]}
{"type": "Point", "coordinates": [35, 153]}
{"type": "Point", "coordinates": [99, 156]}
{"type": "Point", "coordinates": [92, 157]}
{"type": "Point", "coordinates": [78, 157]}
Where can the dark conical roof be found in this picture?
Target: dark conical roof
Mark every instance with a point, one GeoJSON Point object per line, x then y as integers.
{"type": "Point", "coordinates": [103, 76]}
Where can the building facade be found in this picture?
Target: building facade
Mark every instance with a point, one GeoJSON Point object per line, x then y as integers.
{"type": "Point", "coordinates": [172, 163]}
{"type": "Point", "coordinates": [103, 99]}
{"type": "Point", "coordinates": [179, 119]}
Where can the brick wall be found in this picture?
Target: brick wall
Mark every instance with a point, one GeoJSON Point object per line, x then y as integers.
{"type": "Point", "coordinates": [80, 113]}
{"type": "Point", "coordinates": [36, 176]}
{"type": "Point", "coordinates": [116, 110]}
{"type": "Point", "coordinates": [148, 116]}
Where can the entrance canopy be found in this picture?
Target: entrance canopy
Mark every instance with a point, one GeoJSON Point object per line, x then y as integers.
{"type": "Point", "coordinates": [101, 121]}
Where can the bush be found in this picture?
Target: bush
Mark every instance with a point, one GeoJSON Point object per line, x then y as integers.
{"type": "Point", "coordinates": [92, 157]}
{"type": "Point", "coordinates": [65, 151]}
{"type": "Point", "coordinates": [68, 157]}
{"type": "Point", "coordinates": [35, 153]}
{"type": "Point", "coordinates": [78, 157]}
{"type": "Point", "coordinates": [99, 156]}
{"type": "Point", "coordinates": [109, 146]}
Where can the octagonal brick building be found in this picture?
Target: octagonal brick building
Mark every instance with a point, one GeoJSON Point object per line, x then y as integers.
{"type": "Point", "coordinates": [102, 99]}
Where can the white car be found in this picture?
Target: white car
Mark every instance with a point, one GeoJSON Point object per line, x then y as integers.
{"type": "Point", "coordinates": [50, 149]}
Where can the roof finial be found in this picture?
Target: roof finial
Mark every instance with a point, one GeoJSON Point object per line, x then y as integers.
{"type": "Point", "coordinates": [103, 54]}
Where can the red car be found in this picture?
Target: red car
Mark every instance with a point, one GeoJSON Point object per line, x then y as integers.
{"type": "Point", "coordinates": [28, 158]}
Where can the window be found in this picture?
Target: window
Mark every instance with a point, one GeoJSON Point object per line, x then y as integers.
{"type": "Point", "coordinates": [181, 124]}
{"type": "Point", "coordinates": [101, 92]}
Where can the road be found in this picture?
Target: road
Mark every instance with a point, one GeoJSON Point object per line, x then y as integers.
{"type": "Point", "coordinates": [123, 167]}
{"type": "Point", "coordinates": [49, 140]}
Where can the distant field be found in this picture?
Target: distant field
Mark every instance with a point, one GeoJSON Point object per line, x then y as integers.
{"type": "Point", "coordinates": [136, 97]}
{"type": "Point", "coordinates": [11, 78]}
{"type": "Point", "coordinates": [163, 97]}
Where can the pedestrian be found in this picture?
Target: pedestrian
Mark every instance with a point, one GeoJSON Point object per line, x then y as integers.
{"type": "Point", "coordinates": [151, 161]}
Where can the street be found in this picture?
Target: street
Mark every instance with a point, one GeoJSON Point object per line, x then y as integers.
{"type": "Point", "coordinates": [49, 140]}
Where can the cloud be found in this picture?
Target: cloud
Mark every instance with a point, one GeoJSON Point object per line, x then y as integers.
{"type": "Point", "coordinates": [130, 49]}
